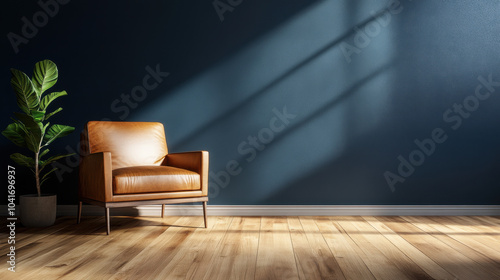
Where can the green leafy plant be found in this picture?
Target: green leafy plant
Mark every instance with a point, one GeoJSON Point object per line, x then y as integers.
{"type": "Point", "coordinates": [30, 128]}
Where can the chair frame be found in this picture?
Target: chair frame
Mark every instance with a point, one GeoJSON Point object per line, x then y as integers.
{"type": "Point", "coordinates": [100, 193]}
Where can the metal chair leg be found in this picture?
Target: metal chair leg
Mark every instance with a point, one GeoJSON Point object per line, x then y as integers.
{"type": "Point", "coordinates": [205, 213]}
{"type": "Point", "coordinates": [106, 213]}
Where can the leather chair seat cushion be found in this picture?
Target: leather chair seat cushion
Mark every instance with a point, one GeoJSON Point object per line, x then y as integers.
{"type": "Point", "coordinates": [154, 179]}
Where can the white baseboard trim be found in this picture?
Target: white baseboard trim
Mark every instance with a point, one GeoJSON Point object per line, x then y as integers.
{"type": "Point", "coordinates": [285, 210]}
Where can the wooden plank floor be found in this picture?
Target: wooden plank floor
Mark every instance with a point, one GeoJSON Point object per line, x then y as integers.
{"type": "Point", "coordinates": [336, 247]}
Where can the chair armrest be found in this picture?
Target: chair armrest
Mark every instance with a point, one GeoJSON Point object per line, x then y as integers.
{"type": "Point", "coordinates": [95, 177]}
{"type": "Point", "coordinates": [194, 161]}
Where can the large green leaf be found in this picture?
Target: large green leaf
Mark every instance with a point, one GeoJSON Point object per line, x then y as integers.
{"type": "Point", "coordinates": [53, 113]}
{"type": "Point", "coordinates": [38, 116]}
{"type": "Point", "coordinates": [47, 99]}
{"type": "Point", "coordinates": [33, 131]}
{"type": "Point", "coordinates": [44, 76]}
{"type": "Point", "coordinates": [15, 133]}
{"type": "Point", "coordinates": [27, 99]}
{"type": "Point", "coordinates": [23, 160]}
{"type": "Point", "coordinates": [55, 131]}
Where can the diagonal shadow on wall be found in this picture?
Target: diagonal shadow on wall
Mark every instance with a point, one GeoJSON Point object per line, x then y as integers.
{"type": "Point", "coordinates": [232, 111]}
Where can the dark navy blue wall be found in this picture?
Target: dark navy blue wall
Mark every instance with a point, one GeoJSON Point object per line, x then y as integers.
{"type": "Point", "coordinates": [298, 102]}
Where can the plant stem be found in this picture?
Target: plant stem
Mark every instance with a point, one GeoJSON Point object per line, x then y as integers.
{"type": "Point", "coordinates": [37, 175]}
{"type": "Point", "coordinates": [37, 168]}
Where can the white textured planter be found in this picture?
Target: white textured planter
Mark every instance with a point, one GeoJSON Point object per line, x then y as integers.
{"type": "Point", "coordinates": [38, 211]}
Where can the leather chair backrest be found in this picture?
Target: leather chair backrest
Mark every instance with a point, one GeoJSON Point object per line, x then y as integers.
{"type": "Point", "coordinates": [130, 143]}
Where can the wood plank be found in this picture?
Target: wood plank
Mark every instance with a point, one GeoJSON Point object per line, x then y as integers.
{"type": "Point", "coordinates": [493, 219]}
{"type": "Point", "coordinates": [391, 252]}
{"type": "Point", "coordinates": [186, 251]}
{"type": "Point", "coordinates": [161, 250]}
{"type": "Point", "coordinates": [447, 257]}
{"type": "Point", "coordinates": [423, 261]}
{"type": "Point", "coordinates": [26, 235]}
{"type": "Point", "coordinates": [486, 258]}
{"type": "Point", "coordinates": [68, 259]}
{"type": "Point", "coordinates": [34, 259]}
{"type": "Point", "coordinates": [204, 256]}
{"type": "Point", "coordinates": [236, 257]}
{"type": "Point", "coordinates": [471, 236]}
{"type": "Point", "coordinates": [33, 246]}
{"type": "Point", "coordinates": [195, 252]}
{"type": "Point", "coordinates": [31, 254]}
{"type": "Point", "coordinates": [379, 264]}
{"type": "Point", "coordinates": [344, 250]}
{"type": "Point", "coordinates": [313, 256]}
{"type": "Point", "coordinates": [275, 259]}
{"type": "Point", "coordinates": [123, 243]}
{"type": "Point", "coordinates": [490, 231]}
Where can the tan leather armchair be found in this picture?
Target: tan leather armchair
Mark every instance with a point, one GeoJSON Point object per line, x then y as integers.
{"type": "Point", "coordinates": [127, 164]}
